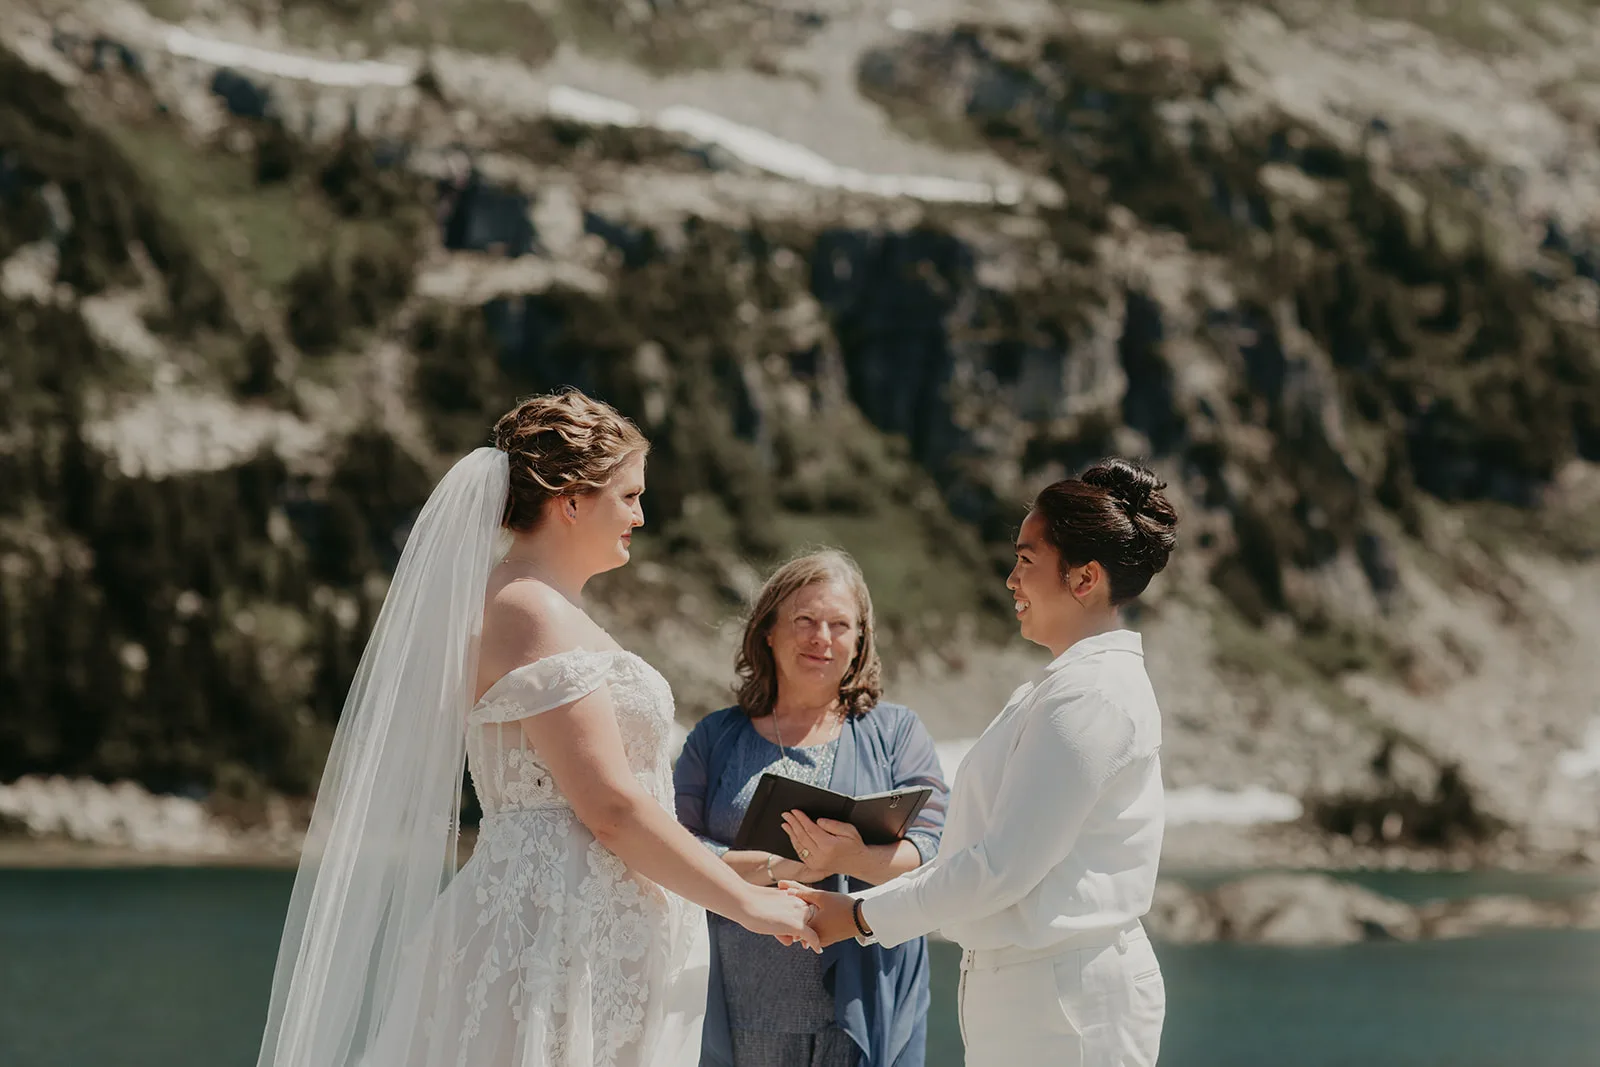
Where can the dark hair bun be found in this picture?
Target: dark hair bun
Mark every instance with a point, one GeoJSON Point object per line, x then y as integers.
{"type": "Point", "coordinates": [1131, 484]}
{"type": "Point", "coordinates": [1138, 491]}
{"type": "Point", "coordinates": [1116, 513]}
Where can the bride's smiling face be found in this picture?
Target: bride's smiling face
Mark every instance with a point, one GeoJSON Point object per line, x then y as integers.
{"type": "Point", "coordinates": [606, 518]}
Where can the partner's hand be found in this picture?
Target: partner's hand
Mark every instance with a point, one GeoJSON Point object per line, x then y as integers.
{"type": "Point", "coordinates": [825, 845]}
{"type": "Point", "coordinates": [834, 919]}
{"type": "Point", "coordinates": [780, 913]}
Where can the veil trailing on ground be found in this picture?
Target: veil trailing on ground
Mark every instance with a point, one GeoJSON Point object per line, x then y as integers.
{"type": "Point", "coordinates": [382, 841]}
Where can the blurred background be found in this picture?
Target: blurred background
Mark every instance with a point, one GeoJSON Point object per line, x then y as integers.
{"type": "Point", "coordinates": [868, 274]}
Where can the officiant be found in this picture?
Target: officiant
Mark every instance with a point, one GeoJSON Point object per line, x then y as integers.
{"type": "Point", "coordinates": [809, 708]}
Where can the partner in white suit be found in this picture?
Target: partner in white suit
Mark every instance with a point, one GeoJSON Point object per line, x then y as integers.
{"type": "Point", "coordinates": [1049, 856]}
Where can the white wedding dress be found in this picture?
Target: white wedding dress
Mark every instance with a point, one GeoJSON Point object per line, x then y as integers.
{"type": "Point", "coordinates": [545, 950]}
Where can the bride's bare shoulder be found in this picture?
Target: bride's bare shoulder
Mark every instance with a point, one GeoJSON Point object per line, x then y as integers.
{"type": "Point", "coordinates": [525, 621]}
{"type": "Point", "coordinates": [528, 610]}
{"type": "Point", "coordinates": [525, 600]}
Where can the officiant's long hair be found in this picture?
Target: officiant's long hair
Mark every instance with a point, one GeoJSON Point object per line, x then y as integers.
{"type": "Point", "coordinates": [862, 685]}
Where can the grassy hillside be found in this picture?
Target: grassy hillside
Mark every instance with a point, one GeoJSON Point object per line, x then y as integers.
{"type": "Point", "coordinates": [237, 357]}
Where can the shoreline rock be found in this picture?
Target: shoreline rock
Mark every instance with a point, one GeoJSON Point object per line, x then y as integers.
{"type": "Point", "coordinates": [1320, 910]}
{"type": "Point", "coordinates": [61, 822]}
{"type": "Point", "coordinates": [1280, 909]}
{"type": "Point", "coordinates": [125, 819]}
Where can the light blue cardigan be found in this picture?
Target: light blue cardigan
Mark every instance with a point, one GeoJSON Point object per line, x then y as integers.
{"type": "Point", "coordinates": [880, 995]}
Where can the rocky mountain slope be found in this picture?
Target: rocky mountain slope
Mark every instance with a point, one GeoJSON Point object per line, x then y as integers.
{"type": "Point", "coordinates": [866, 276]}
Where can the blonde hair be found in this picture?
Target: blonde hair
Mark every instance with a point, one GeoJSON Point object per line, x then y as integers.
{"type": "Point", "coordinates": [560, 444]}
{"type": "Point", "coordinates": [862, 684]}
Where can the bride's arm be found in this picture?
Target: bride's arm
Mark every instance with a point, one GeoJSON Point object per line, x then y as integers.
{"type": "Point", "coordinates": [582, 746]}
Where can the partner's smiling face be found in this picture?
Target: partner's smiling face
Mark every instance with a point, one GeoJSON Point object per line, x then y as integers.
{"type": "Point", "coordinates": [815, 636]}
{"type": "Point", "coordinates": [1045, 607]}
{"type": "Point", "coordinates": [610, 514]}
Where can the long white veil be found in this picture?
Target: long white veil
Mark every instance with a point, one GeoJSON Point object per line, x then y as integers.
{"type": "Point", "coordinates": [382, 841]}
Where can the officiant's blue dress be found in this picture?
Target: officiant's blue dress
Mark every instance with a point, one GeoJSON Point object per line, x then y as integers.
{"type": "Point", "coordinates": [855, 1005]}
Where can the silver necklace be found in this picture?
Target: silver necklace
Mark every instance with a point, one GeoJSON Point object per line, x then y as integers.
{"type": "Point", "coordinates": [783, 752]}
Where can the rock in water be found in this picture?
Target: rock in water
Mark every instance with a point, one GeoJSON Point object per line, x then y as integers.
{"type": "Point", "coordinates": [1180, 915]}
{"type": "Point", "coordinates": [1478, 915]}
{"type": "Point", "coordinates": [1309, 909]}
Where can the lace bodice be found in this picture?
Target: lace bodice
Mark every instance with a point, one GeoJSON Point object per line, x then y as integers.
{"type": "Point", "coordinates": [546, 950]}
{"type": "Point", "coordinates": [509, 776]}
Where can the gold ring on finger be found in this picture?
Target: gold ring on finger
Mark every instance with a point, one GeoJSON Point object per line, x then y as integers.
{"type": "Point", "coordinates": [805, 853]}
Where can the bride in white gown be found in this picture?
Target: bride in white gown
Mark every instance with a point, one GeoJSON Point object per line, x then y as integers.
{"type": "Point", "coordinates": [568, 939]}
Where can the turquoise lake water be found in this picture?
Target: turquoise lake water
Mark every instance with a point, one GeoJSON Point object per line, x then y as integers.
{"type": "Point", "coordinates": [170, 968]}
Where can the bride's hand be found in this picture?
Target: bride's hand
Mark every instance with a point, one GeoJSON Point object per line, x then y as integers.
{"type": "Point", "coordinates": [834, 917]}
{"type": "Point", "coordinates": [781, 914]}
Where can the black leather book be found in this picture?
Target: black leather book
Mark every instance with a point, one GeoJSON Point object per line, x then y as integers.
{"type": "Point", "coordinates": [882, 818]}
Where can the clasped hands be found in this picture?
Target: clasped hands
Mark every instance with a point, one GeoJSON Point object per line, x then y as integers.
{"type": "Point", "coordinates": [825, 847]}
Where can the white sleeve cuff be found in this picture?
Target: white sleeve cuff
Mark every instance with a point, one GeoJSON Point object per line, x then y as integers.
{"type": "Point", "coordinates": [884, 913]}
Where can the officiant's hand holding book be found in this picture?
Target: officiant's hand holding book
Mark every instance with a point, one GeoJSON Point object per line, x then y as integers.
{"type": "Point", "coordinates": [828, 832]}
{"type": "Point", "coordinates": [826, 846]}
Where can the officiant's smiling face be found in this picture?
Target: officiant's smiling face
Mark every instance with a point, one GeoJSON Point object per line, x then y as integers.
{"type": "Point", "coordinates": [814, 637]}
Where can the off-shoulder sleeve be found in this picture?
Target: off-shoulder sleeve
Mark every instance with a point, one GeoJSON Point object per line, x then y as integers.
{"type": "Point", "coordinates": [542, 685]}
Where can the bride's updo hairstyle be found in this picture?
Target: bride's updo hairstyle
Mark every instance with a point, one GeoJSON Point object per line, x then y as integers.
{"type": "Point", "coordinates": [561, 444]}
{"type": "Point", "coordinates": [1115, 514]}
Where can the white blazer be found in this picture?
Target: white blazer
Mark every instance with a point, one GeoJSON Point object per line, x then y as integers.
{"type": "Point", "coordinates": [1056, 818]}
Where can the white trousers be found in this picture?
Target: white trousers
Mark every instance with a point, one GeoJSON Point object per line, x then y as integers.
{"type": "Point", "coordinates": [1093, 1004]}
